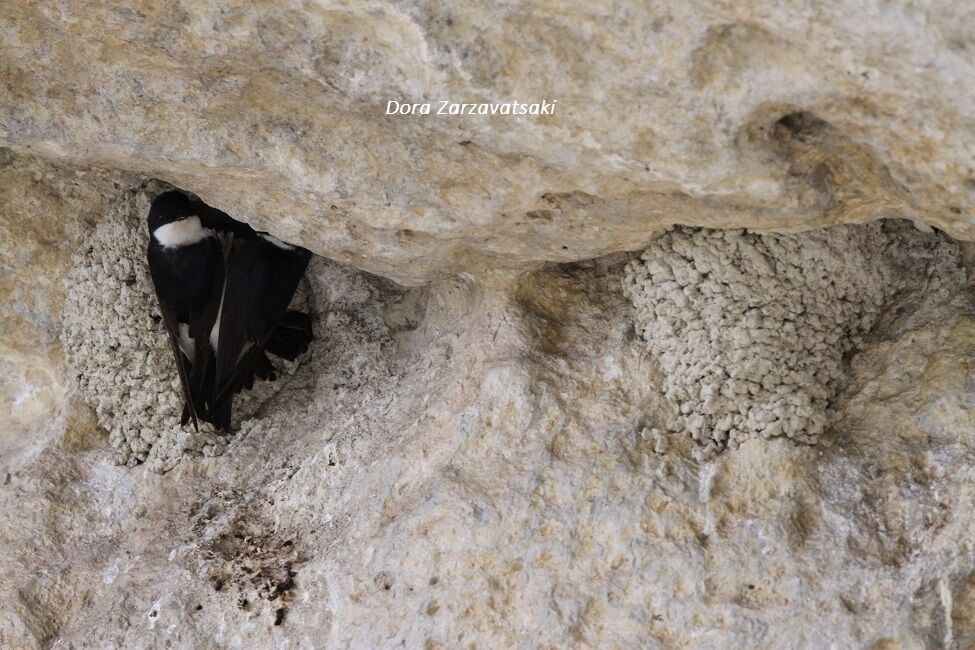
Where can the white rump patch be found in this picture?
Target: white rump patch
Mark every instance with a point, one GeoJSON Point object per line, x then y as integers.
{"type": "Point", "coordinates": [181, 233]}
{"type": "Point", "coordinates": [277, 242]}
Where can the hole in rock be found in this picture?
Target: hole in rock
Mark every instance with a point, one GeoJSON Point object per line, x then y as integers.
{"type": "Point", "coordinates": [801, 123]}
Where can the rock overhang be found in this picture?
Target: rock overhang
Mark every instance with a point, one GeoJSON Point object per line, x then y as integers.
{"type": "Point", "coordinates": [683, 125]}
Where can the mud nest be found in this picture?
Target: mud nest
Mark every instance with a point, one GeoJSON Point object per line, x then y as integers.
{"type": "Point", "coordinates": [751, 330]}
{"type": "Point", "coordinates": [117, 349]}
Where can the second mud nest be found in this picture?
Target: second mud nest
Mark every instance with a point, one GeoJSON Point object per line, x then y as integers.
{"type": "Point", "coordinates": [750, 330]}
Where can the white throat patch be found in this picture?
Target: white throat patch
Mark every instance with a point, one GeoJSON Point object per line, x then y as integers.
{"type": "Point", "coordinates": [181, 233]}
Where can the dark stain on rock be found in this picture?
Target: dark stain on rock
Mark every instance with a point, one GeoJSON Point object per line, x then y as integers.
{"type": "Point", "coordinates": [255, 562]}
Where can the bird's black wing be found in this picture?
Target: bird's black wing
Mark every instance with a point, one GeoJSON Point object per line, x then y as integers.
{"type": "Point", "coordinates": [169, 321]}
{"type": "Point", "coordinates": [201, 324]}
{"type": "Point", "coordinates": [236, 328]}
{"type": "Point", "coordinates": [261, 280]}
{"type": "Point", "coordinates": [196, 302]}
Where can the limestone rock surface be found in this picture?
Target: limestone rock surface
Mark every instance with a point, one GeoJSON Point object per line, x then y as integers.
{"type": "Point", "coordinates": [666, 114]}
{"type": "Point", "coordinates": [471, 455]}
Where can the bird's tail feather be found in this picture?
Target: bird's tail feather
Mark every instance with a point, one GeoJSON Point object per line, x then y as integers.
{"type": "Point", "coordinates": [262, 370]}
{"type": "Point", "coordinates": [204, 387]}
{"type": "Point", "coordinates": [291, 337]}
{"type": "Point", "coordinates": [221, 416]}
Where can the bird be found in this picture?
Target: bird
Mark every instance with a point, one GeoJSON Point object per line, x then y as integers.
{"type": "Point", "coordinates": [223, 290]}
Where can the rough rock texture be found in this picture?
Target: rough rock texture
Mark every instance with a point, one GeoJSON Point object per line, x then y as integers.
{"type": "Point", "coordinates": [470, 461]}
{"type": "Point", "coordinates": [44, 211]}
{"type": "Point", "coordinates": [276, 111]}
{"type": "Point", "coordinates": [751, 330]}
{"type": "Point", "coordinates": [465, 464]}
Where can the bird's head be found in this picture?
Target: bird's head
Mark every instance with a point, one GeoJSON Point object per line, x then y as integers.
{"type": "Point", "coordinates": [169, 207]}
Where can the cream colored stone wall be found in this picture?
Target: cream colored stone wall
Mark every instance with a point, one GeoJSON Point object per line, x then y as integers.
{"type": "Point", "coordinates": [468, 459]}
